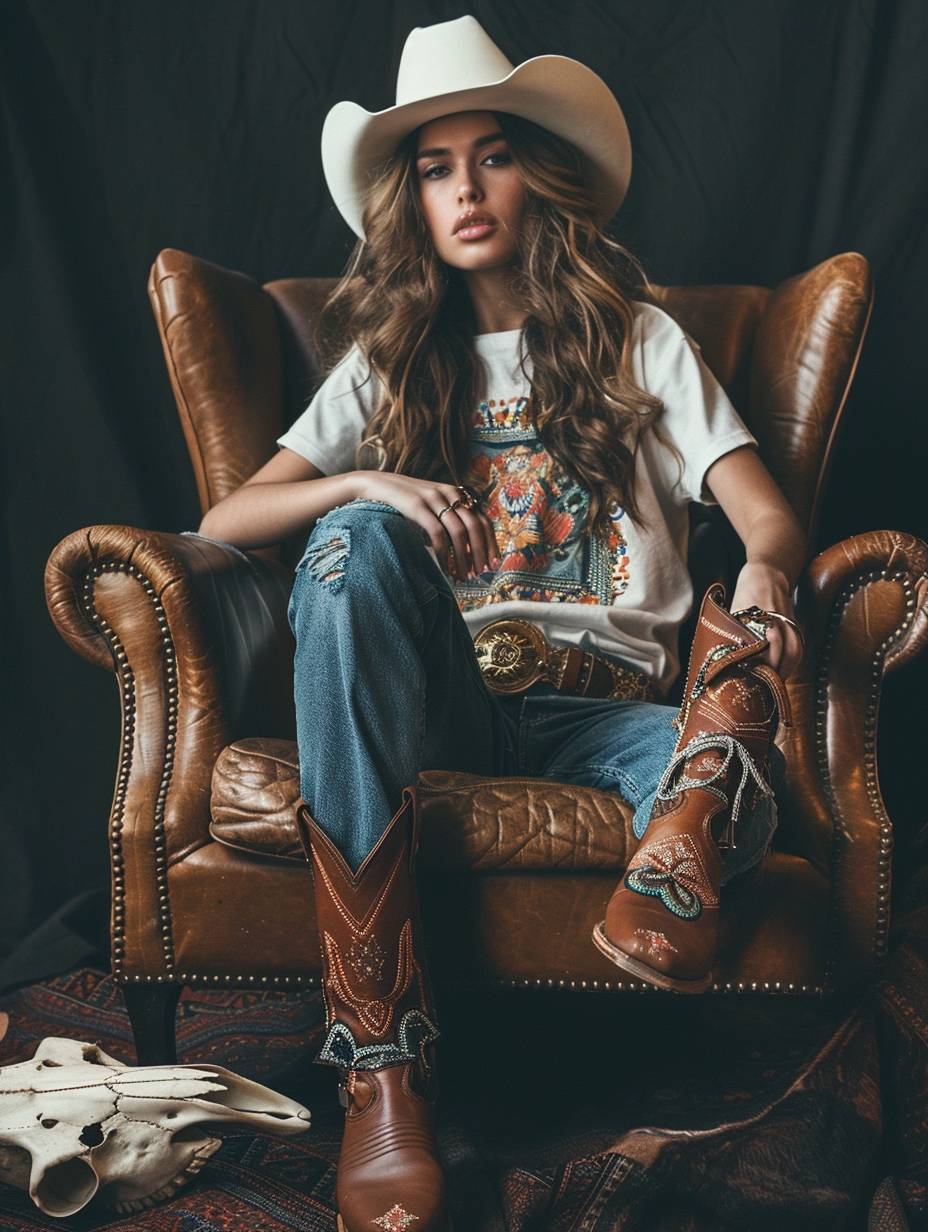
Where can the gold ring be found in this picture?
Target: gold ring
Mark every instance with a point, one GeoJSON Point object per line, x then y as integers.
{"type": "Point", "coordinates": [757, 614]}
{"type": "Point", "coordinates": [788, 620]}
{"type": "Point", "coordinates": [451, 506]}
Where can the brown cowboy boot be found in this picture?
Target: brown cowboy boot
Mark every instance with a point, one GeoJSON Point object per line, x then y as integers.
{"type": "Point", "coordinates": [661, 922]}
{"type": "Point", "coordinates": [381, 1027]}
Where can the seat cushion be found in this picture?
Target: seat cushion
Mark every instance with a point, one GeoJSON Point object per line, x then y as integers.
{"type": "Point", "coordinates": [235, 915]}
{"type": "Point", "coordinates": [468, 821]}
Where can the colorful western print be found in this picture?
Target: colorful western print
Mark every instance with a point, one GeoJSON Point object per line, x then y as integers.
{"type": "Point", "coordinates": [537, 511]}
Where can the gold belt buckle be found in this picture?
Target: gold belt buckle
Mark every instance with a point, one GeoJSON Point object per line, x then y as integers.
{"type": "Point", "coordinates": [512, 655]}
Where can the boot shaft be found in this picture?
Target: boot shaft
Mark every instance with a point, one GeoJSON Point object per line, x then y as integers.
{"type": "Point", "coordinates": [729, 715]}
{"type": "Point", "coordinates": [378, 996]}
{"type": "Point", "coordinates": [749, 697]}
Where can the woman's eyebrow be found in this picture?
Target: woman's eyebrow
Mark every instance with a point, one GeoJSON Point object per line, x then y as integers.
{"type": "Point", "coordinates": [442, 151]}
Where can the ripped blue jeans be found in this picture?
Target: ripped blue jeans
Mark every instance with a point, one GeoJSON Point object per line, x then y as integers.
{"type": "Point", "coordinates": [386, 684]}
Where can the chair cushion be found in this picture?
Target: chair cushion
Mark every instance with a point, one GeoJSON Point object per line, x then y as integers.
{"type": "Point", "coordinates": [468, 821]}
{"type": "Point", "coordinates": [234, 915]}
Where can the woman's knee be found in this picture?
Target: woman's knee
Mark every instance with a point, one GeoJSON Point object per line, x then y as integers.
{"type": "Point", "coordinates": [349, 541]}
{"type": "Point", "coordinates": [369, 556]}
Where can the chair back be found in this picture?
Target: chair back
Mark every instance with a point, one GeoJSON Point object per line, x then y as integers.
{"type": "Point", "coordinates": [244, 360]}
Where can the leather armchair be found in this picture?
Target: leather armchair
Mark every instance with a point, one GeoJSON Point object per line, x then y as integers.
{"type": "Point", "coordinates": [209, 885]}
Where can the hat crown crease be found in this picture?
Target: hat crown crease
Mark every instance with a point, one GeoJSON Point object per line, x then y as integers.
{"type": "Point", "coordinates": [439, 60]}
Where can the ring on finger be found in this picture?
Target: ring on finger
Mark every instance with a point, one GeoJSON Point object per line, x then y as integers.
{"type": "Point", "coordinates": [760, 619]}
{"type": "Point", "coordinates": [454, 504]}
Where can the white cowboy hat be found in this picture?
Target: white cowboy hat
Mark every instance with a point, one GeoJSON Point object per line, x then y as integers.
{"type": "Point", "coordinates": [455, 66]}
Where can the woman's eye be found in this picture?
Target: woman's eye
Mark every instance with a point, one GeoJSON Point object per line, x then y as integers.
{"type": "Point", "coordinates": [427, 174]}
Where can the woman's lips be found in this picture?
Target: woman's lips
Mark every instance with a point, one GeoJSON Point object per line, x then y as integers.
{"type": "Point", "coordinates": [475, 232]}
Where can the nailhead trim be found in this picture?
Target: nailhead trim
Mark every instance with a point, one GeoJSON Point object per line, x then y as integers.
{"type": "Point", "coordinates": [884, 860]}
{"type": "Point", "coordinates": [232, 981]}
{"type": "Point", "coordinates": [310, 981]}
{"type": "Point", "coordinates": [741, 986]}
{"type": "Point", "coordinates": [126, 681]}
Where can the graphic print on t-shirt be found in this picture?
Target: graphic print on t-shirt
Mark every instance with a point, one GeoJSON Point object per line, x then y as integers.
{"type": "Point", "coordinates": [538, 513]}
{"type": "Point", "coordinates": [626, 595]}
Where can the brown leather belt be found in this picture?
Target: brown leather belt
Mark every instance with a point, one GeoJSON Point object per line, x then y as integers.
{"type": "Point", "coordinates": [515, 654]}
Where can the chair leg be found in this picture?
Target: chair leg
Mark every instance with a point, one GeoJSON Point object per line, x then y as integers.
{"type": "Point", "coordinates": [151, 1010]}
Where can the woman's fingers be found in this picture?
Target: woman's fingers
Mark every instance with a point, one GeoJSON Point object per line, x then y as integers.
{"type": "Point", "coordinates": [790, 649]}
{"type": "Point", "coordinates": [482, 535]}
{"type": "Point", "coordinates": [466, 532]}
{"type": "Point", "coordinates": [482, 553]}
{"type": "Point", "coordinates": [466, 527]}
{"type": "Point", "coordinates": [775, 647]}
{"type": "Point", "coordinates": [456, 532]}
{"type": "Point", "coordinates": [784, 648]}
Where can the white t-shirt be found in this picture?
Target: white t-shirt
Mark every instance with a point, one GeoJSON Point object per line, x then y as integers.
{"type": "Point", "coordinates": [626, 596]}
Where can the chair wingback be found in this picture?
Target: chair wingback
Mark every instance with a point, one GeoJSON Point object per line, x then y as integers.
{"type": "Point", "coordinates": [806, 352]}
{"type": "Point", "coordinates": [244, 360]}
{"type": "Point", "coordinates": [787, 358]}
{"type": "Point", "coordinates": [222, 346]}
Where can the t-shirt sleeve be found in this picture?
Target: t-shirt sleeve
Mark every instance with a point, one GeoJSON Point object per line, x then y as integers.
{"type": "Point", "coordinates": [327, 432]}
{"type": "Point", "coordinates": [699, 417]}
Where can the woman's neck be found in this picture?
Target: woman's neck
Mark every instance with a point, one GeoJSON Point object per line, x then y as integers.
{"type": "Point", "coordinates": [495, 309]}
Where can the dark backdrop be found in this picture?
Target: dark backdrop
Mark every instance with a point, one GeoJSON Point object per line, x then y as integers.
{"type": "Point", "coordinates": [767, 136]}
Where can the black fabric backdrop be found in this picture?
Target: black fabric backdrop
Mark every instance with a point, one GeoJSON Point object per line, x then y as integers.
{"type": "Point", "coordinates": [767, 136]}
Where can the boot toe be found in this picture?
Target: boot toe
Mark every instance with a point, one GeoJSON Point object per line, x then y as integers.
{"type": "Point", "coordinates": [396, 1205]}
{"type": "Point", "coordinates": [393, 1212]}
{"type": "Point", "coordinates": [642, 939]}
{"type": "Point", "coordinates": [642, 936]}
{"type": "Point", "coordinates": [389, 1171]}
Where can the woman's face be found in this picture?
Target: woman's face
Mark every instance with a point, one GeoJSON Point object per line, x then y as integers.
{"type": "Point", "coordinates": [463, 167]}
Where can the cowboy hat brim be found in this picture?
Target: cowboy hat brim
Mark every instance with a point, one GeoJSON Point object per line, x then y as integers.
{"type": "Point", "coordinates": [558, 93]}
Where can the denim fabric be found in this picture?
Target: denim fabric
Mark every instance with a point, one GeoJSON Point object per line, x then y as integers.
{"type": "Point", "coordinates": [386, 684]}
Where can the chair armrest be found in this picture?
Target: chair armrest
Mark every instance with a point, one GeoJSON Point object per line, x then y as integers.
{"type": "Point", "coordinates": [864, 605]}
{"type": "Point", "coordinates": [196, 634]}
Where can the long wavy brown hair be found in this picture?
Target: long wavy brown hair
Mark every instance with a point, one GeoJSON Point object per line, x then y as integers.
{"type": "Point", "coordinates": [411, 316]}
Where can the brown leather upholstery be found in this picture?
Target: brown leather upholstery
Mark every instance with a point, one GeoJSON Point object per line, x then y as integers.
{"type": "Point", "coordinates": [258, 919]}
{"type": "Point", "coordinates": [207, 880]}
{"type": "Point", "coordinates": [468, 822]}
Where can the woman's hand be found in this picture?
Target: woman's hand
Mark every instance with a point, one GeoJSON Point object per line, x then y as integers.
{"type": "Point", "coordinates": [463, 539]}
{"type": "Point", "coordinates": [767, 587]}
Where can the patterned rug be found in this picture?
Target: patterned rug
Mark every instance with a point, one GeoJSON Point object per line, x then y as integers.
{"type": "Point", "coordinates": [568, 1112]}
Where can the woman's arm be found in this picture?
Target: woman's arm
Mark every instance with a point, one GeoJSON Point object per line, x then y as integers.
{"type": "Point", "coordinates": [289, 493]}
{"type": "Point", "coordinates": [286, 494]}
{"type": "Point", "coordinates": [774, 541]}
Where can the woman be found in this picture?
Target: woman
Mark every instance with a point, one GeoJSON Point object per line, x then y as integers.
{"type": "Point", "coordinates": [497, 472]}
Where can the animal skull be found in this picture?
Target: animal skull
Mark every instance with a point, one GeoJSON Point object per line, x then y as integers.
{"type": "Point", "coordinates": [74, 1120]}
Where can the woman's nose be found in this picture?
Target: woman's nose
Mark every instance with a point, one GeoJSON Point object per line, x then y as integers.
{"type": "Point", "coordinates": [468, 190]}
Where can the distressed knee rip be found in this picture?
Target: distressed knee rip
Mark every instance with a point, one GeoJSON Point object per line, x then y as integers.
{"type": "Point", "coordinates": [326, 561]}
